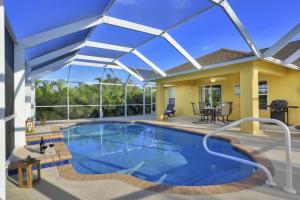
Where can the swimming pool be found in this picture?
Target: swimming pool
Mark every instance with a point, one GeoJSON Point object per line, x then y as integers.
{"type": "Point", "coordinates": [153, 153]}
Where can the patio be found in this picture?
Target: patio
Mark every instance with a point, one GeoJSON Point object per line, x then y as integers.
{"type": "Point", "coordinates": [66, 64]}
{"type": "Point", "coordinates": [269, 144]}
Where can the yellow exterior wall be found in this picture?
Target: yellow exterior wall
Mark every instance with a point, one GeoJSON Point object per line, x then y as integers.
{"type": "Point", "coordinates": [227, 86]}
{"type": "Point", "coordinates": [283, 87]}
{"type": "Point", "coordinates": [166, 97]}
{"type": "Point", "coordinates": [184, 95]}
{"type": "Point", "coordinates": [283, 83]}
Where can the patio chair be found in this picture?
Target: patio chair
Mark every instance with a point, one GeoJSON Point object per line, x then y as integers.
{"type": "Point", "coordinates": [203, 112]}
{"type": "Point", "coordinates": [199, 112]}
{"type": "Point", "coordinates": [226, 110]}
{"type": "Point", "coordinates": [170, 110]}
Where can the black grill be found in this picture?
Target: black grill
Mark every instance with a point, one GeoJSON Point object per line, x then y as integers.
{"type": "Point", "coordinates": [278, 109]}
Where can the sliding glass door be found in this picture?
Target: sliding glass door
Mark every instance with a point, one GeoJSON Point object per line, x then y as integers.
{"type": "Point", "coordinates": [211, 95]}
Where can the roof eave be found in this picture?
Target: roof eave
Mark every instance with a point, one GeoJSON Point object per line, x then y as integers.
{"type": "Point", "coordinates": [218, 65]}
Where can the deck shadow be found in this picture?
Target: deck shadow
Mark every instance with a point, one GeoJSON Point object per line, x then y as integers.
{"type": "Point", "coordinates": [53, 192]}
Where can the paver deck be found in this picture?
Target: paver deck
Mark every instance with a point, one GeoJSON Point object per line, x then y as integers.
{"type": "Point", "coordinates": [268, 144]}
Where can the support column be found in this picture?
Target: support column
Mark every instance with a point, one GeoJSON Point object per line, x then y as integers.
{"type": "Point", "coordinates": [125, 99]}
{"type": "Point", "coordinates": [33, 100]}
{"type": "Point", "coordinates": [20, 101]}
{"type": "Point", "coordinates": [28, 93]}
{"type": "Point", "coordinates": [125, 95]}
{"type": "Point", "coordinates": [144, 99]}
{"type": "Point", "coordinates": [2, 105]}
{"type": "Point", "coordinates": [101, 100]}
{"type": "Point", "coordinates": [160, 101]}
{"type": "Point", "coordinates": [101, 95]}
{"type": "Point", "coordinates": [151, 100]}
{"type": "Point", "coordinates": [249, 98]}
{"type": "Point", "coordinates": [68, 94]}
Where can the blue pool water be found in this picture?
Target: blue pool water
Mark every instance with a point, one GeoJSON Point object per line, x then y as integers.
{"type": "Point", "coordinates": [152, 153]}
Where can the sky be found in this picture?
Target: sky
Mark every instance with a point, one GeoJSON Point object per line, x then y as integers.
{"type": "Point", "coordinates": [265, 20]}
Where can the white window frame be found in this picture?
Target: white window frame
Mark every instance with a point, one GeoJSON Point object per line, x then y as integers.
{"type": "Point", "coordinates": [202, 97]}
{"type": "Point", "coordinates": [171, 94]}
{"type": "Point", "coordinates": [259, 81]}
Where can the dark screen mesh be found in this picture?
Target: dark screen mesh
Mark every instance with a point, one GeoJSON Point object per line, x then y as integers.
{"type": "Point", "coordinates": [9, 92]}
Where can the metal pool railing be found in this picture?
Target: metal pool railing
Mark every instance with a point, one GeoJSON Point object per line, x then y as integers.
{"type": "Point", "coordinates": [287, 136]}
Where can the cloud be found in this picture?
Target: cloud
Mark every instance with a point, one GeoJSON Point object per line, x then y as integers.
{"type": "Point", "coordinates": [180, 4]}
{"type": "Point", "coordinates": [176, 4]}
{"type": "Point", "coordinates": [204, 47]}
{"type": "Point", "coordinates": [127, 2]}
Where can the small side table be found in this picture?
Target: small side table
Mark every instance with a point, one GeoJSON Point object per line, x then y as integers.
{"type": "Point", "coordinates": [27, 166]}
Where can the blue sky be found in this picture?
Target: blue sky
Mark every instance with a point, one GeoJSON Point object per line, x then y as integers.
{"type": "Point", "coordinates": [265, 20]}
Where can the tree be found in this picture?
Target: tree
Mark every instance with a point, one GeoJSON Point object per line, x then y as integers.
{"type": "Point", "coordinates": [54, 93]}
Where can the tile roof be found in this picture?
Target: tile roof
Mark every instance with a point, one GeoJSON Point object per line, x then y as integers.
{"type": "Point", "coordinates": [288, 50]}
{"type": "Point", "coordinates": [224, 55]}
{"type": "Point", "coordinates": [216, 57]}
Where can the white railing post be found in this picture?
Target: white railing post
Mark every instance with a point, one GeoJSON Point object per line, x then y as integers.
{"type": "Point", "coordinates": [144, 99]}
{"type": "Point", "coordinates": [100, 107]}
{"type": "Point", "coordinates": [101, 94]}
{"type": "Point", "coordinates": [151, 100]}
{"type": "Point", "coordinates": [33, 100]}
{"type": "Point", "coordinates": [68, 94]}
{"type": "Point", "coordinates": [289, 181]}
{"type": "Point", "coordinates": [125, 95]}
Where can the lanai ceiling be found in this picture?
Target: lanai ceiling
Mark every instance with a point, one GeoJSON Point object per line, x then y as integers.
{"type": "Point", "coordinates": [98, 33]}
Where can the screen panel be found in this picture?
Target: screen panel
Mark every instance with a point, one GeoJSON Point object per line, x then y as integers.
{"type": "Point", "coordinates": [90, 51]}
{"type": "Point", "coordinates": [111, 35]}
{"type": "Point", "coordinates": [55, 44]}
{"type": "Point", "coordinates": [50, 93]}
{"type": "Point", "coordinates": [84, 94]}
{"type": "Point", "coordinates": [158, 14]}
{"type": "Point", "coordinates": [35, 16]}
{"type": "Point", "coordinates": [271, 21]}
{"type": "Point", "coordinates": [208, 33]}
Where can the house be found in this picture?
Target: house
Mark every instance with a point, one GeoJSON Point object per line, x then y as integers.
{"type": "Point", "coordinates": [249, 82]}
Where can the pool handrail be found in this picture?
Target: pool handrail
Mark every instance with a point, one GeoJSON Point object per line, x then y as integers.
{"type": "Point", "coordinates": [287, 135]}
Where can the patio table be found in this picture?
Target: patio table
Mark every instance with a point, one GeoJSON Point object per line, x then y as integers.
{"type": "Point", "coordinates": [212, 112]}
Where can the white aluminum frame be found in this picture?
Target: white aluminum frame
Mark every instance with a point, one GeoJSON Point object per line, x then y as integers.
{"type": "Point", "coordinates": [61, 31]}
{"type": "Point", "coordinates": [153, 31]}
{"type": "Point", "coordinates": [55, 54]}
{"type": "Point", "coordinates": [100, 45]}
{"type": "Point", "coordinates": [94, 58]}
{"type": "Point", "coordinates": [181, 50]}
{"type": "Point", "coordinates": [125, 105]}
{"type": "Point", "coordinates": [91, 64]}
{"type": "Point", "coordinates": [150, 63]}
{"type": "Point", "coordinates": [238, 25]}
{"type": "Point", "coordinates": [282, 42]}
{"type": "Point", "coordinates": [2, 105]}
{"type": "Point", "coordinates": [292, 58]}
{"type": "Point", "coordinates": [53, 66]}
{"type": "Point", "coordinates": [280, 62]}
{"type": "Point", "coordinates": [117, 62]}
{"type": "Point", "coordinates": [131, 25]}
{"type": "Point", "coordinates": [107, 46]}
{"type": "Point", "coordinates": [95, 21]}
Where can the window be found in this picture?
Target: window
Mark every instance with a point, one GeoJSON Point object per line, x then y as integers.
{"type": "Point", "coordinates": [263, 94]}
{"type": "Point", "coordinates": [237, 91]}
{"type": "Point", "coordinates": [172, 96]}
{"type": "Point", "coordinates": [211, 95]}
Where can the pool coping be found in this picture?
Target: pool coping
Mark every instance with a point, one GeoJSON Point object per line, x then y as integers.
{"type": "Point", "coordinates": [258, 178]}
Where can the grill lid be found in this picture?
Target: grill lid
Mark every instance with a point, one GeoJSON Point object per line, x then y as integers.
{"type": "Point", "coordinates": [279, 104]}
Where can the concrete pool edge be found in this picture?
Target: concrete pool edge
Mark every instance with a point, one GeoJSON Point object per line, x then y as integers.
{"type": "Point", "coordinates": [257, 179]}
